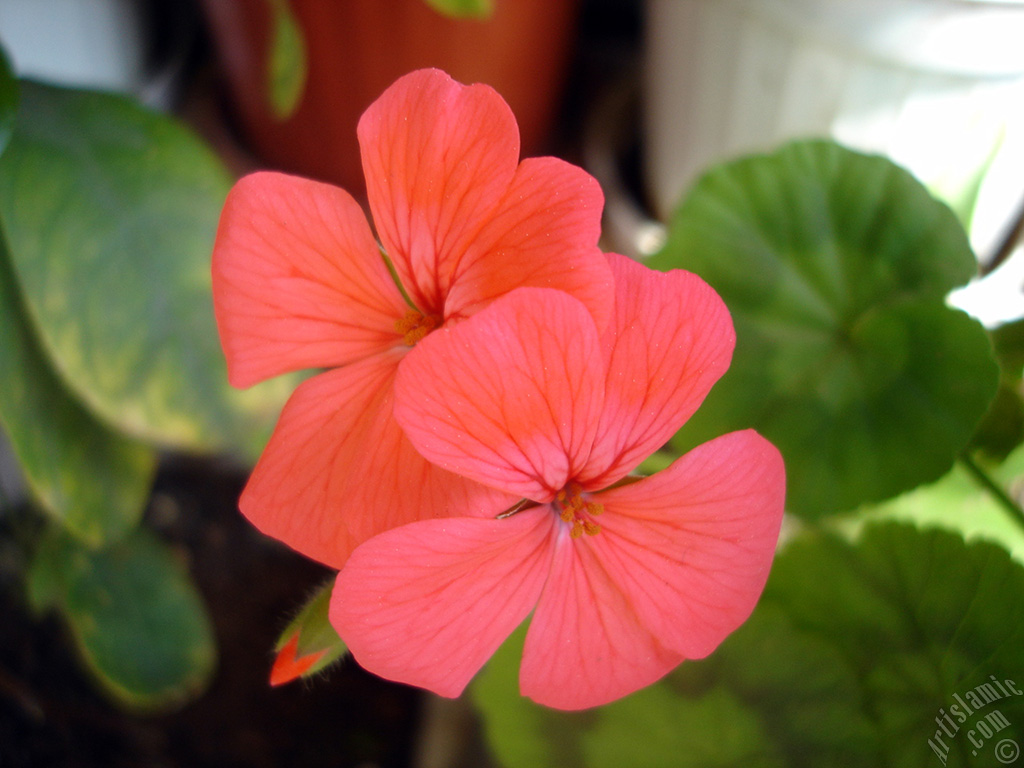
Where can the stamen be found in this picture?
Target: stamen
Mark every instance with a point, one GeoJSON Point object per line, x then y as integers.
{"type": "Point", "coordinates": [572, 508]}
{"type": "Point", "coordinates": [415, 325]}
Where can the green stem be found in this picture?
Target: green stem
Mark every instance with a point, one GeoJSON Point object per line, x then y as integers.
{"type": "Point", "coordinates": [982, 477]}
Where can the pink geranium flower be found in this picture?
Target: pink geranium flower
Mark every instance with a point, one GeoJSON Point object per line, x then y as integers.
{"type": "Point", "coordinates": [625, 578]}
{"type": "Point", "coordinates": [300, 281]}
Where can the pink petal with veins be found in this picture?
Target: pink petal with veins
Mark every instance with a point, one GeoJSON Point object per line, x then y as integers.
{"type": "Point", "coordinates": [510, 397]}
{"type": "Point", "coordinates": [438, 156]}
{"type": "Point", "coordinates": [338, 469]}
{"type": "Point", "coordinates": [586, 646]}
{"type": "Point", "coordinates": [544, 234]}
{"type": "Point", "coordinates": [670, 340]}
{"type": "Point", "coordinates": [298, 280]}
{"type": "Point", "coordinates": [691, 546]}
{"type": "Point", "coordinates": [427, 604]}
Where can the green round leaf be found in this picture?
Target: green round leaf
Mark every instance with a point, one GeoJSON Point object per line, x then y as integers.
{"type": "Point", "coordinates": [808, 696]}
{"type": "Point", "coordinates": [655, 728]}
{"type": "Point", "coordinates": [835, 267]}
{"type": "Point", "coordinates": [135, 616]}
{"type": "Point", "coordinates": [522, 734]}
{"type": "Point", "coordinates": [110, 212]}
{"type": "Point", "coordinates": [923, 619]}
{"type": "Point", "coordinates": [90, 479]}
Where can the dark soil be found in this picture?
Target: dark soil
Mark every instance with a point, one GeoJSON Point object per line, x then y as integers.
{"type": "Point", "coordinates": [52, 715]}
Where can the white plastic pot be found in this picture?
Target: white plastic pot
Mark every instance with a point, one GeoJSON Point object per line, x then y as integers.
{"type": "Point", "coordinates": [96, 44]}
{"type": "Point", "coordinates": [99, 44]}
{"type": "Point", "coordinates": [936, 85]}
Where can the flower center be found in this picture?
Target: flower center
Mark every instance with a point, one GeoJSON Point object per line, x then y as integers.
{"type": "Point", "coordinates": [415, 325]}
{"type": "Point", "coordinates": [576, 510]}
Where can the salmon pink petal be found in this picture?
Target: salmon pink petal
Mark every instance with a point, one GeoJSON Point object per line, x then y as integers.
{"type": "Point", "coordinates": [586, 646]}
{"type": "Point", "coordinates": [298, 280]}
{"type": "Point", "coordinates": [338, 469]}
{"type": "Point", "coordinates": [691, 546]}
{"type": "Point", "coordinates": [543, 233]}
{"type": "Point", "coordinates": [509, 397]}
{"type": "Point", "coordinates": [670, 340]}
{"type": "Point", "coordinates": [428, 603]}
{"type": "Point", "coordinates": [392, 485]}
{"type": "Point", "coordinates": [438, 157]}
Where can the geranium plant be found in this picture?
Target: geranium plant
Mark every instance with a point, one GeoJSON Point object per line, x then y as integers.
{"type": "Point", "coordinates": [540, 473]}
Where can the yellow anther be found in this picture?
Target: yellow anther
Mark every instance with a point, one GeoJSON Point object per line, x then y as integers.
{"type": "Point", "coordinates": [415, 325]}
{"type": "Point", "coordinates": [574, 509]}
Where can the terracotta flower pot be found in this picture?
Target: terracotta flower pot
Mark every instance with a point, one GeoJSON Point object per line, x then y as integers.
{"type": "Point", "coordinates": [356, 48]}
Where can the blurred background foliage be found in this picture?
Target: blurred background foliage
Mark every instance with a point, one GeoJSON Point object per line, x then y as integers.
{"type": "Point", "coordinates": [110, 355]}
